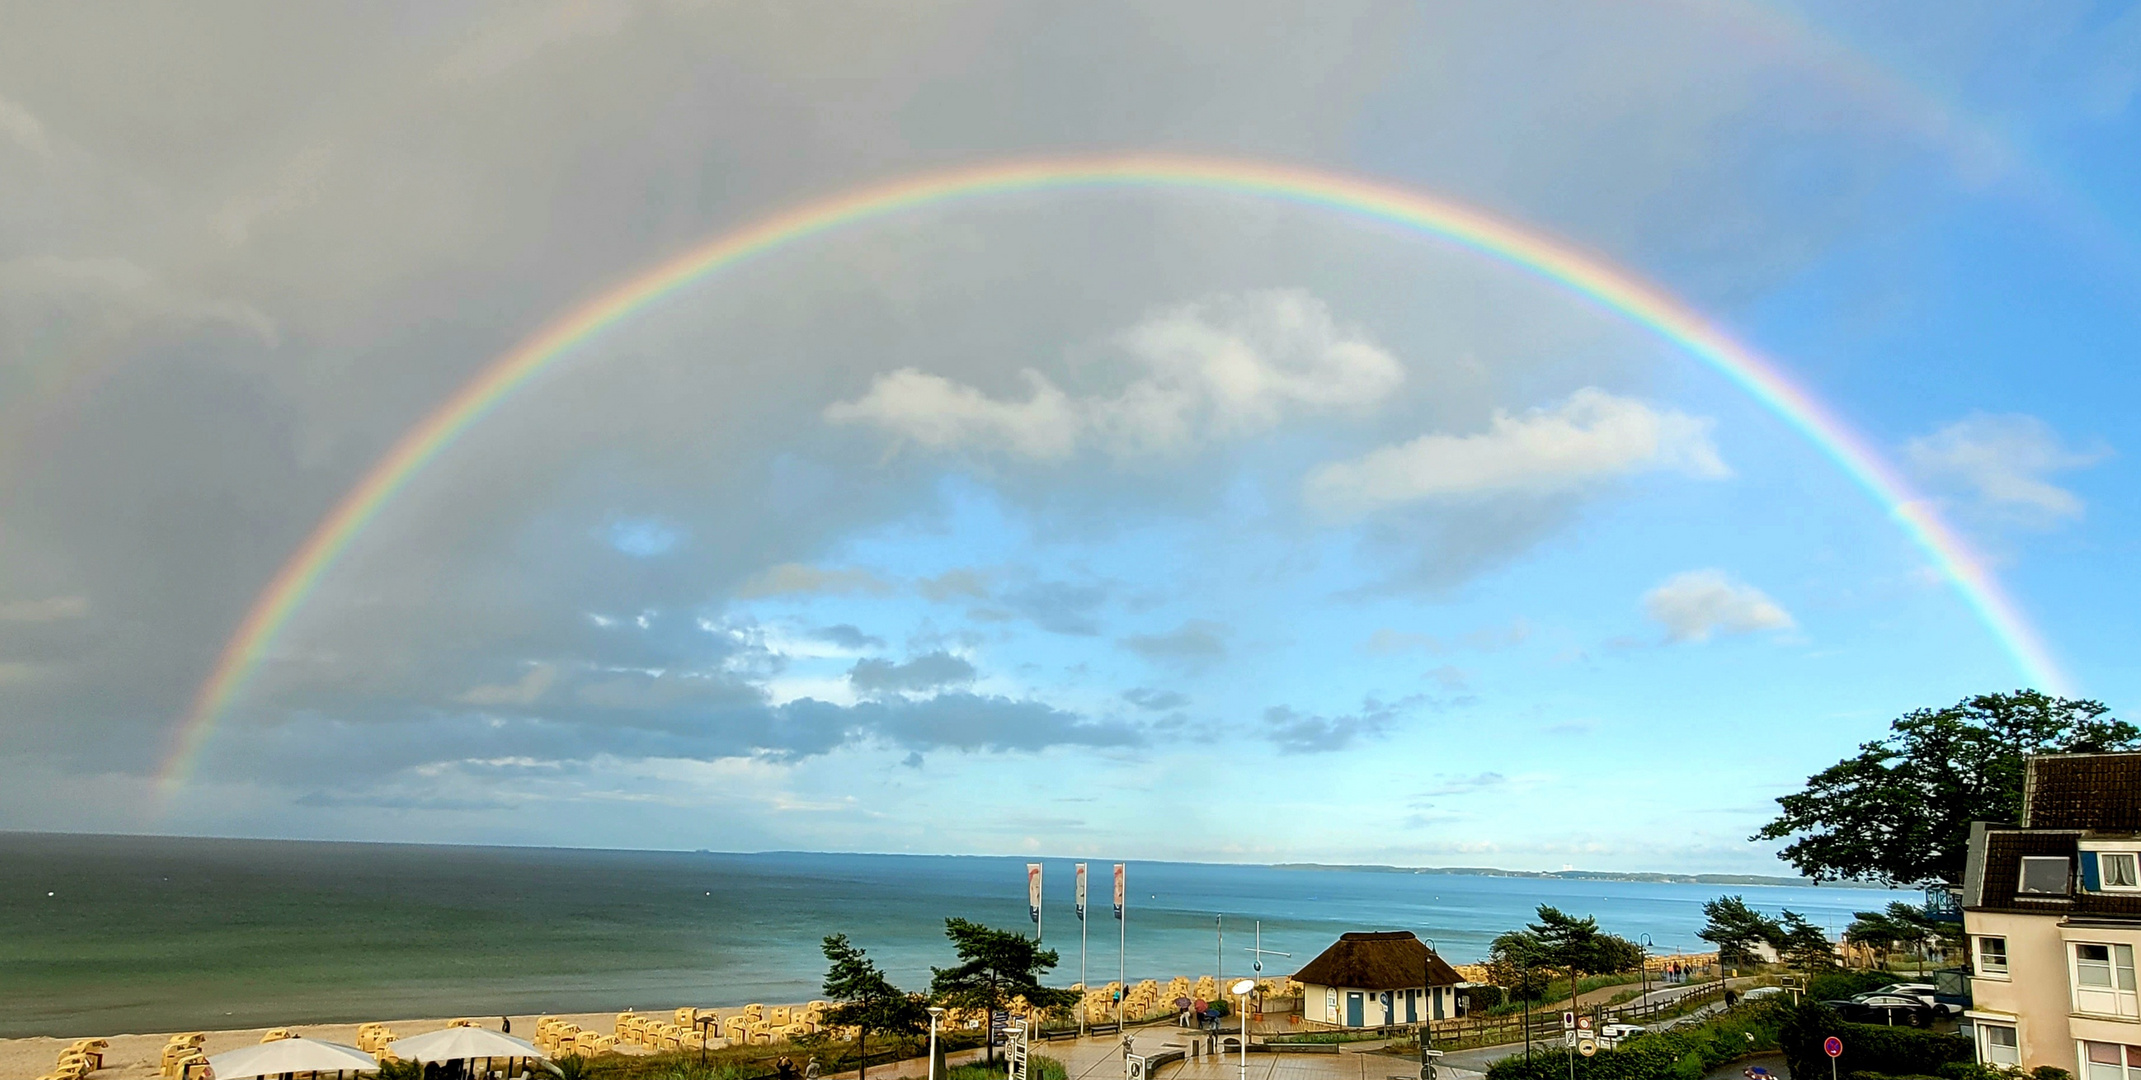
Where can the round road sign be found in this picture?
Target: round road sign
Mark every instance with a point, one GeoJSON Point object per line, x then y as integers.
{"type": "Point", "coordinates": [1586, 1047]}
{"type": "Point", "coordinates": [1832, 1046]}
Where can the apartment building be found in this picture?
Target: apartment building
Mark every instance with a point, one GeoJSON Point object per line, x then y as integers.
{"type": "Point", "coordinates": [2053, 914]}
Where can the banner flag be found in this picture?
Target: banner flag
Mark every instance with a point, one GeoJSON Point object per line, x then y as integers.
{"type": "Point", "coordinates": [1081, 892]}
{"type": "Point", "coordinates": [1118, 890]}
{"type": "Point", "coordinates": [1033, 892]}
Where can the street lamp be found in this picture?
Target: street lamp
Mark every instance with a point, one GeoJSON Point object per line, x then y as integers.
{"type": "Point", "coordinates": [936, 1012]}
{"type": "Point", "coordinates": [1242, 990]}
{"type": "Point", "coordinates": [1427, 1012]}
{"type": "Point", "coordinates": [1645, 938]}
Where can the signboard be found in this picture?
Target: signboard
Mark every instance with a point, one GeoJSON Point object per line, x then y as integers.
{"type": "Point", "coordinates": [1015, 1052]}
{"type": "Point", "coordinates": [1033, 893]}
{"type": "Point", "coordinates": [1586, 1047]}
{"type": "Point", "coordinates": [1118, 890]}
{"type": "Point", "coordinates": [1081, 892]}
{"type": "Point", "coordinates": [1568, 1021]}
{"type": "Point", "coordinates": [1133, 1067]}
{"type": "Point", "coordinates": [1832, 1046]}
{"type": "Point", "coordinates": [998, 1021]}
{"type": "Point", "coordinates": [1583, 1023]}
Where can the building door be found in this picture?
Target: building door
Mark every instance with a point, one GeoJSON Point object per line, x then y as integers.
{"type": "Point", "coordinates": [1438, 992]}
{"type": "Point", "coordinates": [1412, 1006]}
{"type": "Point", "coordinates": [1390, 1008]}
{"type": "Point", "coordinates": [1354, 1015]}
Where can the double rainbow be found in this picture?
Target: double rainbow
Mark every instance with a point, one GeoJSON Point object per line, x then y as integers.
{"type": "Point", "coordinates": [1584, 274]}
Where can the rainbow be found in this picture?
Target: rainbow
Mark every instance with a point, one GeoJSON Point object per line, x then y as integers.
{"type": "Point", "coordinates": [1584, 274]}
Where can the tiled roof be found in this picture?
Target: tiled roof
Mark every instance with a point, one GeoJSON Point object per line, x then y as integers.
{"type": "Point", "coordinates": [1998, 888]}
{"type": "Point", "coordinates": [1391, 960]}
{"type": "Point", "coordinates": [2084, 791]}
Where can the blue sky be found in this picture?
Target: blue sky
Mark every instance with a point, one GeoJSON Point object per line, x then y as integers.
{"type": "Point", "coordinates": [1133, 524]}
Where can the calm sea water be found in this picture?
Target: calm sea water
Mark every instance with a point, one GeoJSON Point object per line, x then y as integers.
{"type": "Point", "coordinates": [100, 935]}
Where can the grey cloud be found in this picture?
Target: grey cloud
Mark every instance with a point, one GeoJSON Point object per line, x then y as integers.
{"type": "Point", "coordinates": [1195, 645]}
{"type": "Point", "coordinates": [848, 636]}
{"type": "Point", "coordinates": [1300, 733]}
{"type": "Point", "coordinates": [926, 672]}
{"type": "Point", "coordinates": [1152, 700]}
{"type": "Point", "coordinates": [1060, 607]}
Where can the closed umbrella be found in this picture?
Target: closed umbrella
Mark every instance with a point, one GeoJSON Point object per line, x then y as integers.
{"type": "Point", "coordinates": [290, 1056]}
{"type": "Point", "coordinates": [460, 1044]}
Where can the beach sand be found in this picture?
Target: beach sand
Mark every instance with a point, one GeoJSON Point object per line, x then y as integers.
{"type": "Point", "coordinates": [137, 1057]}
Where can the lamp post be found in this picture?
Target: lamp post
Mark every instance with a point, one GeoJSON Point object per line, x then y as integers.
{"type": "Point", "coordinates": [1524, 990]}
{"type": "Point", "coordinates": [1427, 1011]}
{"type": "Point", "coordinates": [1242, 990]}
{"type": "Point", "coordinates": [1646, 942]}
{"type": "Point", "coordinates": [936, 1012]}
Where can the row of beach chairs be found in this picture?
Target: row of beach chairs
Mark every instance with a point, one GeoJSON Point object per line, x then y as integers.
{"type": "Point", "coordinates": [78, 1060]}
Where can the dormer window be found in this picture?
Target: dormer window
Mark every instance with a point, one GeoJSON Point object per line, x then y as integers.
{"type": "Point", "coordinates": [2117, 870]}
{"type": "Point", "coordinates": [2045, 875]}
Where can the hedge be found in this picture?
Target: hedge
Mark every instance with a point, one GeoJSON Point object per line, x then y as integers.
{"type": "Point", "coordinates": [1868, 1048]}
{"type": "Point", "coordinates": [1686, 1054]}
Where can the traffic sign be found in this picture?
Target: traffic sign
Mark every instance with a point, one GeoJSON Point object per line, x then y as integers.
{"type": "Point", "coordinates": [1583, 1023]}
{"type": "Point", "coordinates": [1586, 1047]}
{"type": "Point", "coordinates": [1832, 1046]}
{"type": "Point", "coordinates": [1568, 1021]}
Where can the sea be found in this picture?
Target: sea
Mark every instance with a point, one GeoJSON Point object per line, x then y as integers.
{"type": "Point", "coordinates": [102, 935]}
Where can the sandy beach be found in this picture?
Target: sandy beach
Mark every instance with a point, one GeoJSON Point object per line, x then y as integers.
{"type": "Point", "coordinates": [135, 1057]}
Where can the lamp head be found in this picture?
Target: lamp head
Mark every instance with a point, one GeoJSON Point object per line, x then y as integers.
{"type": "Point", "coordinates": [936, 1010]}
{"type": "Point", "coordinates": [1243, 987]}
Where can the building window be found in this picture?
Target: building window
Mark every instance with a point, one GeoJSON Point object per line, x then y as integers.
{"type": "Point", "coordinates": [1992, 956]}
{"type": "Point", "coordinates": [2110, 1061]}
{"type": "Point", "coordinates": [2104, 980]}
{"type": "Point", "coordinates": [2045, 875]}
{"type": "Point", "coordinates": [2116, 870]}
{"type": "Point", "coordinates": [1997, 1045]}
{"type": "Point", "coordinates": [1330, 1003]}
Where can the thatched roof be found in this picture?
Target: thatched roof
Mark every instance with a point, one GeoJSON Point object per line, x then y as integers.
{"type": "Point", "coordinates": [1390, 960]}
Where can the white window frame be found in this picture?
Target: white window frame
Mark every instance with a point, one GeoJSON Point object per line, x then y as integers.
{"type": "Point", "coordinates": [2105, 1071]}
{"type": "Point", "coordinates": [1984, 1044]}
{"type": "Point", "coordinates": [2066, 887]}
{"type": "Point", "coordinates": [1984, 968]}
{"type": "Point", "coordinates": [2119, 999]}
{"type": "Point", "coordinates": [2133, 863]}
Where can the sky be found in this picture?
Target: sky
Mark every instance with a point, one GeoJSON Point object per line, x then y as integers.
{"type": "Point", "coordinates": [1125, 522]}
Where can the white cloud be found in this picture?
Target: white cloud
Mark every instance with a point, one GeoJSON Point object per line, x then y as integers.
{"type": "Point", "coordinates": [1695, 604]}
{"type": "Point", "coordinates": [1226, 367]}
{"type": "Point", "coordinates": [50, 609]}
{"type": "Point", "coordinates": [123, 293]}
{"type": "Point", "coordinates": [793, 578]}
{"type": "Point", "coordinates": [2003, 461]}
{"type": "Point", "coordinates": [23, 127]}
{"type": "Point", "coordinates": [1591, 436]}
{"type": "Point", "coordinates": [525, 692]}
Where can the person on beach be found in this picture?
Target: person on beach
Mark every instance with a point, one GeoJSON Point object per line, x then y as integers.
{"type": "Point", "coordinates": [505, 1025]}
{"type": "Point", "coordinates": [784, 1069]}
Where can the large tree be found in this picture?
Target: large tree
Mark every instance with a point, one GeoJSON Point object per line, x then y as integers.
{"type": "Point", "coordinates": [1514, 963]}
{"type": "Point", "coordinates": [1565, 941]}
{"type": "Point", "coordinates": [867, 1001]}
{"type": "Point", "coordinates": [1900, 924]}
{"type": "Point", "coordinates": [1900, 811]}
{"type": "Point", "coordinates": [1736, 929]}
{"type": "Point", "coordinates": [1805, 945]}
{"type": "Point", "coordinates": [995, 967]}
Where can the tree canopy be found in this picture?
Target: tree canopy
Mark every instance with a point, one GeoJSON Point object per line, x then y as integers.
{"type": "Point", "coordinates": [995, 967]}
{"type": "Point", "coordinates": [1899, 812]}
{"type": "Point", "coordinates": [864, 999]}
{"type": "Point", "coordinates": [1736, 929]}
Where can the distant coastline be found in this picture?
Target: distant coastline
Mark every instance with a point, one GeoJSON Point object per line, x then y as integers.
{"type": "Point", "coordinates": [1590, 875]}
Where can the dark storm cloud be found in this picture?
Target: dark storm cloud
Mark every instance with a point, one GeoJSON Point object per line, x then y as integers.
{"type": "Point", "coordinates": [925, 672]}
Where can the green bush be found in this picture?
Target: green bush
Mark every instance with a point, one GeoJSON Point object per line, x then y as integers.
{"type": "Point", "coordinates": [1686, 1054]}
{"type": "Point", "coordinates": [1868, 1048]}
{"type": "Point", "coordinates": [1837, 985]}
{"type": "Point", "coordinates": [1483, 998]}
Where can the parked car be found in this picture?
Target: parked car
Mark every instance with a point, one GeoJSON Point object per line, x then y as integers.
{"type": "Point", "coordinates": [1925, 992]}
{"type": "Point", "coordinates": [1890, 1009]}
{"type": "Point", "coordinates": [1760, 992]}
{"type": "Point", "coordinates": [1612, 1035]}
